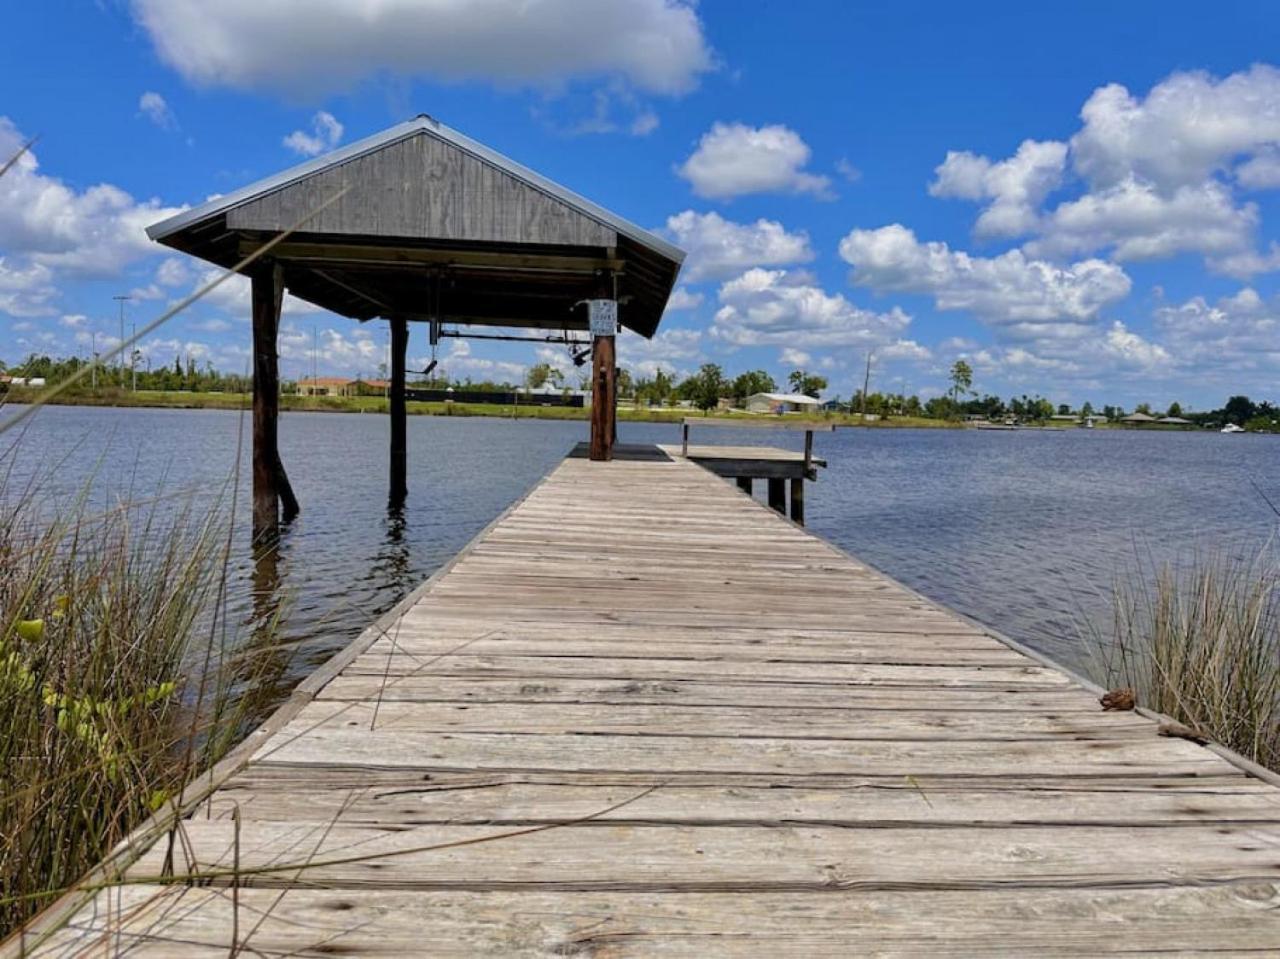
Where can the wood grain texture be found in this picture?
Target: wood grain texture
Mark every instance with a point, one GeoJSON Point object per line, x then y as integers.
{"type": "Point", "coordinates": [645, 716]}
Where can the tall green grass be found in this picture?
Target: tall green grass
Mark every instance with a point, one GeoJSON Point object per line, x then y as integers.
{"type": "Point", "coordinates": [119, 677]}
{"type": "Point", "coordinates": [1202, 645]}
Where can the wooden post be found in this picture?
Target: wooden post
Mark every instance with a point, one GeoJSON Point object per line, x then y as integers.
{"type": "Point", "coordinates": [744, 484]}
{"type": "Point", "coordinates": [268, 471]}
{"type": "Point", "coordinates": [604, 392]}
{"type": "Point", "coordinates": [684, 442]}
{"type": "Point", "coordinates": [797, 500]}
{"type": "Point", "coordinates": [808, 450]}
{"type": "Point", "coordinates": [399, 445]}
{"type": "Point", "coordinates": [778, 495]}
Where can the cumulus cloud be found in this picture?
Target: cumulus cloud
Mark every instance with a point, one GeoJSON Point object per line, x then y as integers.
{"type": "Point", "coordinates": [157, 110]}
{"type": "Point", "coordinates": [1016, 187]}
{"type": "Point", "coordinates": [1189, 126]}
{"type": "Point", "coordinates": [795, 358]}
{"type": "Point", "coordinates": [1235, 334]}
{"type": "Point", "coordinates": [733, 159]}
{"type": "Point", "coordinates": [1247, 263]}
{"type": "Point", "coordinates": [47, 226]}
{"type": "Point", "coordinates": [683, 299]}
{"type": "Point", "coordinates": [1007, 289]}
{"type": "Point", "coordinates": [1134, 221]}
{"type": "Point", "coordinates": [670, 351]}
{"type": "Point", "coordinates": [289, 46]}
{"type": "Point", "coordinates": [26, 290]}
{"type": "Point", "coordinates": [326, 133]}
{"type": "Point", "coordinates": [718, 248]}
{"type": "Point", "coordinates": [778, 308]}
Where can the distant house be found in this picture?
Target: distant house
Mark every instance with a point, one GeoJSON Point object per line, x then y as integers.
{"type": "Point", "coordinates": [1174, 421]}
{"type": "Point", "coordinates": [324, 386]}
{"type": "Point", "coordinates": [1065, 418]}
{"type": "Point", "coordinates": [781, 403]}
{"type": "Point", "coordinates": [1138, 419]}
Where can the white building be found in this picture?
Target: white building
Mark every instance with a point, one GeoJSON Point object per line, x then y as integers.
{"type": "Point", "coordinates": [781, 403]}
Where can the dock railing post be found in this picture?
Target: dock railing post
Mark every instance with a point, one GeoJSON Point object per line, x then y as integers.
{"type": "Point", "coordinates": [684, 445]}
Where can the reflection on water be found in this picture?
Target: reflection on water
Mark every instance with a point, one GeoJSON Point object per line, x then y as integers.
{"type": "Point", "coordinates": [1025, 531]}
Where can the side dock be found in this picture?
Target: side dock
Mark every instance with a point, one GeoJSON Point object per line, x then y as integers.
{"type": "Point", "coordinates": [643, 714]}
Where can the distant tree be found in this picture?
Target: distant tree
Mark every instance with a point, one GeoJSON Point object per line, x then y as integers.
{"type": "Point", "coordinates": [1239, 410]}
{"type": "Point", "coordinates": [1064, 409]}
{"type": "Point", "coordinates": [1144, 408]}
{"type": "Point", "coordinates": [705, 387]}
{"type": "Point", "coordinates": [543, 374]}
{"type": "Point", "coordinates": [1175, 409]}
{"type": "Point", "coordinates": [1087, 409]}
{"type": "Point", "coordinates": [1112, 412]}
{"type": "Point", "coordinates": [807, 383]}
{"type": "Point", "coordinates": [752, 382]}
{"type": "Point", "coordinates": [961, 379]}
{"type": "Point", "coordinates": [626, 386]}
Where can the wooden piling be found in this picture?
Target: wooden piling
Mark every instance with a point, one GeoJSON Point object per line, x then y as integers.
{"type": "Point", "coordinates": [744, 484]}
{"type": "Point", "coordinates": [778, 495]}
{"type": "Point", "coordinates": [269, 478]}
{"type": "Point", "coordinates": [399, 483]}
{"type": "Point", "coordinates": [797, 501]}
{"type": "Point", "coordinates": [604, 397]}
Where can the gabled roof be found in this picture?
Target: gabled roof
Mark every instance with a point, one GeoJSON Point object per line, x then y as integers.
{"type": "Point", "coordinates": [422, 123]}
{"type": "Point", "coordinates": [424, 223]}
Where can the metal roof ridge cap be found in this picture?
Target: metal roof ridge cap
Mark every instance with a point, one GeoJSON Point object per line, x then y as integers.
{"type": "Point", "coordinates": [300, 171]}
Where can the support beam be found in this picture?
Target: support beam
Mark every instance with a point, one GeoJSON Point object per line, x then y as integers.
{"type": "Point", "coordinates": [745, 484]}
{"type": "Point", "coordinates": [399, 443]}
{"type": "Point", "coordinates": [778, 495]}
{"type": "Point", "coordinates": [797, 501]}
{"type": "Point", "coordinates": [269, 479]}
{"type": "Point", "coordinates": [604, 389]}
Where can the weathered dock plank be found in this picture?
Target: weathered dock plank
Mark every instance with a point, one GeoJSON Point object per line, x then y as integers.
{"type": "Point", "coordinates": [644, 715]}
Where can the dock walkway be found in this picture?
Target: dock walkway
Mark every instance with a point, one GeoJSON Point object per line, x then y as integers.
{"type": "Point", "coordinates": [642, 715]}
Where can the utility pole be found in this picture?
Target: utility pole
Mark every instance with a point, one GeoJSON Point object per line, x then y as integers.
{"type": "Point", "coordinates": [121, 299]}
{"type": "Point", "coordinates": [93, 365]}
{"type": "Point", "coordinates": [133, 357]}
{"type": "Point", "coordinates": [866, 385]}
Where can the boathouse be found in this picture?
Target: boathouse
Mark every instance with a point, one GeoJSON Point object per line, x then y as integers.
{"type": "Point", "coordinates": [422, 224]}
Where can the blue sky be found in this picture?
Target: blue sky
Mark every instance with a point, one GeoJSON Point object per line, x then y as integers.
{"type": "Point", "coordinates": [1080, 200]}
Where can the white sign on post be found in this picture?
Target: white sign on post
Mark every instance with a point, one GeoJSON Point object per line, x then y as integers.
{"type": "Point", "coordinates": [603, 315]}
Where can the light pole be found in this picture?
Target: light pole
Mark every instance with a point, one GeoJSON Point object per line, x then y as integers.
{"type": "Point", "coordinates": [133, 356]}
{"type": "Point", "coordinates": [121, 298]}
{"type": "Point", "coordinates": [93, 365]}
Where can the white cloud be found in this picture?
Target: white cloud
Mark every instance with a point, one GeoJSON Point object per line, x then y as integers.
{"type": "Point", "coordinates": [157, 110]}
{"type": "Point", "coordinates": [733, 159]}
{"type": "Point", "coordinates": [1188, 127]}
{"type": "Point", "coordinates": [173, 272]}
{"type": "Point", "coordinates": [719, 248]}
{"type": "Point", "coordinates": [26, 290]}
{"type": "Point", "coordinates": [1236, 334]}
{"type": "Point", "coordinates": [326, 133]}
{"type": "Point", "coordinates": [46, 224]}
{"type": "Point", "coordinates": [1247, 263]}
{"type": "Point", "coordinates": [1260, 172]}
{"type": "Point", "coordinates": [1016, 187]}
{"type": "Point", "coordinates": [774, 307]}
{"type": "Point", "coordinates": [290, 46]}
{"type": "Point", "coordinates": [795, 358]}
{"type": "Point", "coordinates": [356, 353]}
{"type": "Point", "coordinates": [74, 321]}
{"type": "Point", "coordinates": [1136, 222]}
{"type": "Point", "coordinates": [235, 295]}
{"type": "Point", "coordinates": [1009, 289]}
{"type": "Point", "coordinates": [671, 350]}
{"type": "Point", "coordinates": [683, 299]}
{"type": "Point", "coordinates": [644, 124]}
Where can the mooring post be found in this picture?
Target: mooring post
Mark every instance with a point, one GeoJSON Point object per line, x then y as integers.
{"type": "Point", "coordinates": [603, 320]}
{"type": "Point", "coordinates": [797, 500]}
{"type": "Point", "coordinates": [744, 484]}
{"type": "Point", "coordinates": [399, 443]}
{"type": "Point", "coordinates": [778, 495]}
{"type": "Point", "coordinates": [269, 478]}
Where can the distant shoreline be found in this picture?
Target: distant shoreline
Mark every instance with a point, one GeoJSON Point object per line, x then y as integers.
{"type": "Point", "coordinates": [289, 402]}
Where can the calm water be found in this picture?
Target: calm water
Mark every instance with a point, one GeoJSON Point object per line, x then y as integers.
{"type": "Point", "coordinates": [1025, 531]}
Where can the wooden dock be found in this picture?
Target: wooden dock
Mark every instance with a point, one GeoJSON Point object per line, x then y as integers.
{"type": "Point", "coordinates": [644, 715]}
